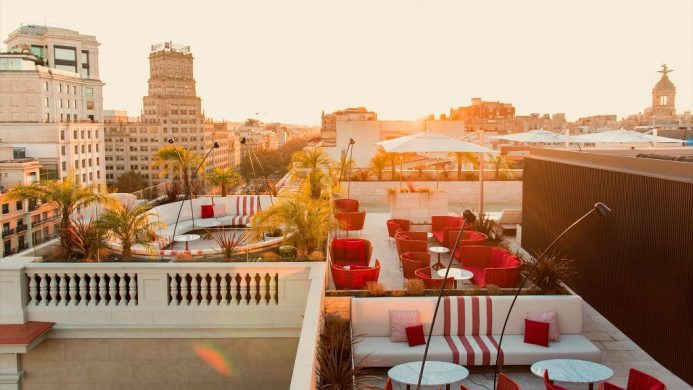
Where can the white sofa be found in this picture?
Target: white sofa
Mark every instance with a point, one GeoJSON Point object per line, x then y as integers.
{"type": "Point", "coordinates": [237, 211]}
{"type": "Point", "coordinates": [469, 339]}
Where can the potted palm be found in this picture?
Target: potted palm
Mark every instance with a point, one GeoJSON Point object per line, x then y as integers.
{"type": "Point", "coordinates": [171, 160]}
{"type": "Point", "coordinates": [223, 178]}
{"type": "Point", "coordinates": [66, 196]}
{"type": "Point", "coordinates": [130, 224]}
{"type": "Point", "coordinates": [314, 166]}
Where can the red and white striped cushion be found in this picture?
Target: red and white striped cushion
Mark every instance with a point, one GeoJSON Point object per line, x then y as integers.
{"type": "Point", "coordinates": [467, 330]}
{"type": "Point", "coordinates": [247, 204]}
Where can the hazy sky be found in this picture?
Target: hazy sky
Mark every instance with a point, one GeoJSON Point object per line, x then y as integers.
{"type": "Point", "coordinates": [288, 60]}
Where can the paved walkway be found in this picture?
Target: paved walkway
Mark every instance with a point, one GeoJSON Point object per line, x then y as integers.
{"type": "Point", "coordinates": [619, 352]}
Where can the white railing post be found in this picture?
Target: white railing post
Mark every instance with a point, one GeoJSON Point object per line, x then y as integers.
{"type": "Point", "coordinates": [14, 287]}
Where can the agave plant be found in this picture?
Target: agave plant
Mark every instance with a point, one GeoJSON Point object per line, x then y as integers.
{"type": "Point", "coordinates": [229, 242]}
{"type": "Point", "coordinates": [334, 356]}
{"type": "Point", "coordinates": [491, 228]}
{"type": "Point", "coordinates": [173, 190]}
{"type": "Point", "coordinates": [305, 222]}
{"type": "Point", "coordinates": [87, 239]}
{"type": "Point", "coordinates": [549, 273]}
{"type": "Point", "coordinates": [130, 224]}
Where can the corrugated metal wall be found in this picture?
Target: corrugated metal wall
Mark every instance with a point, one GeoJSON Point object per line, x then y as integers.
{"type": "Point", "coordinates": [635, 266]}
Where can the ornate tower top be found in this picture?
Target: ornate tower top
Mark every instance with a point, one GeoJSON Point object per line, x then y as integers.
{"type": "Point", "coordinates": [665, 69]}
{"type": "Point", "coordinates": [664, 94]}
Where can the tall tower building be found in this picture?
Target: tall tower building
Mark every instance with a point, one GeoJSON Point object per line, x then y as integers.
{"type": "Point", "coordinates": [171, 109]}
{"type": "Point", "coordinates": [664, 95]}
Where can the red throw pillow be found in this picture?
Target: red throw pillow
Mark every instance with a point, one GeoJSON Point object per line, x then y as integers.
{"type": "Point", "coordinates": [415, 335]}
{"type": "Point", "coordinates": [537, 333]}
{"type": "Point", "coordinates": [207, 211]}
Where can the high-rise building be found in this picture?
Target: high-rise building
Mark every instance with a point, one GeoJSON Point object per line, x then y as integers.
{"type": "Point", "coordinates": [51, 101]}
{"type": "Point", "coordinates": [171, 110]}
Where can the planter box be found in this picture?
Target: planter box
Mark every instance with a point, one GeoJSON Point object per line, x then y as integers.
{"type": "Point", "coordinates": [418, 207]}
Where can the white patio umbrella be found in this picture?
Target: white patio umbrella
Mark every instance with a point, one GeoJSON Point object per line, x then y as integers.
{"type": "Point", "coordinates": [435, 143]}
{"type": "Point", "coordinates": [540, 136]}
{"type": "Point", "coordinates": [622, 136]}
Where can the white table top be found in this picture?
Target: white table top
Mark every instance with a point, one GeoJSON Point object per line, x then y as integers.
{"type": "Point", "coordinates": [573, 370]}
{"type": "Point", "coordinates": [439, 249]}
{"type": "Point", "coordinates": [456, 273]}
{"type": "Point", "coordinates": [186, 237]}
{"type": "Point", "coordinates": [435, 373]}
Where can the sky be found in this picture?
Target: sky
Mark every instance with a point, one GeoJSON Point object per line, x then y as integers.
{"type": "Point", "coordinates": [286, 61]}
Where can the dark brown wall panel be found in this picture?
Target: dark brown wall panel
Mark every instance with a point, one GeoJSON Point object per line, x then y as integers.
{"type": "Point", "coordinates": [635, 266]}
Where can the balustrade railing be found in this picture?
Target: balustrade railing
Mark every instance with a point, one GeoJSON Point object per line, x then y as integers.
{"type": "Point", "coordinates": [214, 288]}
{"type": "Point", "coordinates": [82, 288]}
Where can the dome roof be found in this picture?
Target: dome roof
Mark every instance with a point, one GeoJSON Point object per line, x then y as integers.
{"type": "Point", "coordinates": [664, 84]}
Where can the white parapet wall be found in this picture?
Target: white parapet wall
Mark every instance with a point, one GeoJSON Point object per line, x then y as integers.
{"type": "Point", "coordinates": [376, 192]}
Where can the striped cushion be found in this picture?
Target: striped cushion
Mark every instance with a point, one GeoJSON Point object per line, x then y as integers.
{"type": "Point", "coordinates": [467, 330]}
{"type": "Point", "coordinates": [248, 204]}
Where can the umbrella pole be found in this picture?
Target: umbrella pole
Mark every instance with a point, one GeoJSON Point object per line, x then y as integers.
{"type": "Point", "coordinates": [481, 185]}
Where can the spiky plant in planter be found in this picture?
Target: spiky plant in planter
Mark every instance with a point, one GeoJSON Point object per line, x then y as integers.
{"type": "Point", "coordinates": [87, 240]}
{"type": "Point", "coordinates": [230, 241]}
{"type": "Point", "coordinates": [334, 356]}
{"type": "Point", "coordinates": [550, 273]}
{"type": "Point", "coordinates": [492, 229]}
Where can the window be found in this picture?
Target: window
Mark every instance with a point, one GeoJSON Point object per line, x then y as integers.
{"type": "Point", "coordinates": [74, 90]}
{"type": "Point", "coordinates": [46, 102]}
{"type": "Point", "coordinates": [45, 86]}
{"type": "Point", "coordinates": [98, 174]}
{"type": "Point", "coordinates": [60, 104]}
{"type": "Point", "coordinates": [96, 135]}
{"type": "Point", "coordinates": [89, 135]}
{"type": "Point", "coordinates": [83, 149]}
{"type": "Point", "coordinates": [62, 135]}
{"type": "Point", "coordinates": [37, 51]}
{"type": "Point", "coordinates": [76, 164]}
{"type": "Point", "coordinates": [76, 149]}
{"type": "Point", "coordinates": [62, 150]}
{"type": "Point", "coordinates": [61, 117]}
{"type": "Point", "coordinates": [89, 91]}
{"type": "Point", "coordinates": [84, 178]}
{"type": "Point", "coordinates": [89, 162]}
{"type": "Point", "coordinates": [5, 208]}
{"type": "Point", "coordinates": [84, 163]}
{"type": "Point", "coordinates": [20, 205]}
{"type": "Point", "coordinates": [97, 162]}
{"type": "Point", "coordinates": [74, 116]}
{"type": "Point", "coordinates": [85, 64]}
{"type": "Point", "coordinates": [89, 148]}
{"type": "Point", "coordinates": [65, 58]}
{"type": "Point", "coordinates": [90, 105]}
{"type": "Point", "coordinates": [47, 117]}
{"type": "Point", "coordinates": [60, 88]}
{"type": "Point", "coordinates": [64, 166]}
{"type": "Point", "coordinates": [74, 134]}
{"type": "Point", "coordinates": [91, 176]}
{"type": "Point", "coordinates": [81, 134]}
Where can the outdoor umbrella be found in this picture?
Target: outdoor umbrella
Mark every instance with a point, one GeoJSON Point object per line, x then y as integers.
{"type": "Point", "coordinates": [622, 136]}
{"type": "Point", "coordinates": [540, 136]}
{"type": "Point", "coordinates": [435, 143]}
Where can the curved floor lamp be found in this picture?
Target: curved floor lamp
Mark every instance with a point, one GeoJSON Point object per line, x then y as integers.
{"type": "Point", "coordinates": [469, 218]}
{"type": "Point", "coordinates": [350, 148]}
{"type": "Point", "coordinates": [601, 209]}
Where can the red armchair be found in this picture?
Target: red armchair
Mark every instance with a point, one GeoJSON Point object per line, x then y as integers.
{"type": "Point", "coordinates": [425, 275]}
{"type": "Point", "coordinates": [491, 265]}
{"type": "Point", "coordinates": [505, 383]}
{"type": "Point", "coordinates": [411, 261]}
{"type": "Point", "coordinates": [637, 380]}
{"type": "Point", "coordinates": [442, 224]}
{"type": "Point", "coordinates": [549, 383]}
{"type": "Point", "coordinates": [411, 242]}
{"type": "Point", "coordinates": [354, 278]}
{"type": "Point", "coordinates": [351, 251]}
{"type": "Point", "coordinates": [348, 205]}
{"type": "Point", "coordinates": [469, 237]}
{"type": "Point", "coordinates": [395, 225]}
{"type": "Point", "coordinates": [351, 220]}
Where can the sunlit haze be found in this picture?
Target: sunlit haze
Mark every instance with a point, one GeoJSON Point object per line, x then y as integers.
{"type": "Point", "coordinates": [289, 60]}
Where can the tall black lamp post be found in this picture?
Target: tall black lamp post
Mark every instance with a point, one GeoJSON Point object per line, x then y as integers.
{"type": "Point", "coordinates": [601, 209]}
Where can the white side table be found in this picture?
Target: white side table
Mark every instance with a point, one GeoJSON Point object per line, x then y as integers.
{"type": "Point", "coordinates": [458, 274]}
{"type": "Point", "coordinates": [439, 250]}
{"type": "Point", "coordinates": [186, 238]}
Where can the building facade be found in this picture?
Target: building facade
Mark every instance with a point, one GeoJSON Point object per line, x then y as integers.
{"type": "Point", "coordinates": [51, 101]}
{"type": "Point", "coordinates": [328, 130]}
{"type": "Point", "coordinates": [171, 110]}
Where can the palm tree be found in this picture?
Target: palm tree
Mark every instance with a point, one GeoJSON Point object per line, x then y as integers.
{"type": "Point", "coordinates": [379, 163]}
{"type": "Point", "coordinates": [305, 222]}
{"type": "Point", "coordinates": [316, 163]}
{"type": "Point", "coordinates": [65, 195]}
{"type": "Point", "coordinates": [223, 178]}
{"type": "Point", "coordinates": [173, 160]}
{"type": "Point", "coordinates": [464, 157]}
{"type": "Point", "coordinates": [501, 162]}
{"type": "Point", "coordinates": [130, 224]}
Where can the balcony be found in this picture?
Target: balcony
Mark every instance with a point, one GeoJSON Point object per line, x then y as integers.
{"type": "Point", "coordinates": [7, 232]}
{"type": "Point", "coordinates": [33, 206]}
{"type": "Point", "coordinates": [21, 228]}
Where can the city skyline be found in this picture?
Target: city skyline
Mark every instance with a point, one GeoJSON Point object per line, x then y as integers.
{"type": "Point", "coordinates": [291, 61]}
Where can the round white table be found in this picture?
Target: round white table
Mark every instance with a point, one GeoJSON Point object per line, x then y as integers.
{"type": "Point", "coordinates": [435, 373]}
{"type": "Point", "coordinates": [186, 238]}
{"type": "Point", "coordinates": [439, 250]}
{"type": "Point", "coordinates": [573, 371]}
{"type": "Point", "coordinates": [456, 273]}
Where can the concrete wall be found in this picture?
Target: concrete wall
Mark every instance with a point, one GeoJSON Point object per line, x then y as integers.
{"type": "Point", "coordinates": [459, 191]}
{"type": "Point", "coordinates": [253, 363]}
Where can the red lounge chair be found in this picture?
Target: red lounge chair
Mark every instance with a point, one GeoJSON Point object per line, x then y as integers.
{"type": "Point", "coordinates": [388, 385]}
{"type": "Point", "coordinates": [469, 237]}
{"type": "Point", "coordinates": [411, 242]}
{"type": "Point", "coordinates": [354, 278]}
{"type": "Point", "coordinates": [505, 383]}
{"type": "Point", "coordinates": [425, 275]}
{"type": "Point", "coordinates": [351, 251]}
{"type": "Point", "coordinates": [442, 224]}
{"type": "Point", "coordinates": [549, 383]}
{"type": "Point", "coordinates": [396, 225]}
{"type": "Point", "coordinates": [491, 265]}
{"type": "Point", "coordinates": [347, 205]}
{"type": "Point", "coordinates": [637, 380]}
{"type": "Point", "coordinates": [463, 387]}
{"type": "Point", "coordinates": [411, 261]}
{"type": "Point", "coordinates": [350, 221]}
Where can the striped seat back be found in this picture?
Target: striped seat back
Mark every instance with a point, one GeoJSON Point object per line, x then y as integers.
{"type": "Point", "coordinates": [247, 204]}
{"type": "Point", "coordinates": [467, 316]}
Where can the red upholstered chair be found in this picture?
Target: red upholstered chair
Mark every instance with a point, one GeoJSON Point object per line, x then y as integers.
{"type": "Point", "coordinates": [351, 251]}
{"type": "Point", "coordinates": [388, 385]}
{"type": "Point", "coordinates": [411, 261]}
{"type": "Point", "coordinates": [469, 237]}
{"type": "Point", "coordinates": [491, 265]}
{"type": "Point", "coordinates": [395, 225]}
{"type": "Point", "coordinates": [505, 383]}
{"type": "Point", "coordinates": [411, 242]}
{"type": "Point", "coordinates": [354, 278]}
{"type": "Point", "coordinates": [442, 224]}
{"type": "Point", "coordinates": [463, 387]}
{"type": "Point", "coordinates": [350, 221]}
{"type": "Point", "coordinates": [549, 383]}
{"type": "Point", "coordinates": [425, 275]}
{"type": "Point", "coordinates": [637, 380]}
{"type": "Point", "coordinates": [347, 205]}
